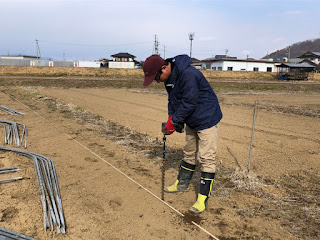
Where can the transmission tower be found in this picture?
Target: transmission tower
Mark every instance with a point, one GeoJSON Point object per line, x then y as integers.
{"type": "Point", "coordinates": [38, 49]}
{"type": "Point", "coordinates": [156, 45]}
{"type": "Point", "coordinates": [191, 37]}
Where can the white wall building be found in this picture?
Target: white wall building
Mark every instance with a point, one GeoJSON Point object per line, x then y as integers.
{"type": "Point", "coordinates": [90, 64]}
{"type": "Point", "coordinates": [122, 60]}
{"type": "Point", "coordinates": [232, 64]}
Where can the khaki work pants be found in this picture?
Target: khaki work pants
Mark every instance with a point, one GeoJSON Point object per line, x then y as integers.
{"type": "Point", "coordinates": [202, 145]}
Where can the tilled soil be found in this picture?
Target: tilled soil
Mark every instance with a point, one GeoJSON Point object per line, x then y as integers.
{"type": "Point", "coordinates": [107, 148]}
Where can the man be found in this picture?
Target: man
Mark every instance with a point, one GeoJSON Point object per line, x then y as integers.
{"type": "Point", "coordinates": [193, 102]}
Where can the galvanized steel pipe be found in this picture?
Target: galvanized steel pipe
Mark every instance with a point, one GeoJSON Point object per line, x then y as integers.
{"type": "Point", "coordinates": [50, 197]}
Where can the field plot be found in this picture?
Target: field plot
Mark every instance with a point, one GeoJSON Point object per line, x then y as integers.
{"type": "Point", "coordinates": [107, 148]}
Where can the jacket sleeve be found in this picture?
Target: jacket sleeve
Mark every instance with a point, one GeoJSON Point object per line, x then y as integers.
{"type": "Point", "coordinates": [170, 111]}
{"type": "Point", "coordinates": [189, 93]}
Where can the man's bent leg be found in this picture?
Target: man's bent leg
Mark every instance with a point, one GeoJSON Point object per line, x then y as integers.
{"type": "Point", "coordinates": [191, 146]}
{"type": "Point", "coordinates": [207, 155]}
{"type": "Point", "coordinates": [208, 140]}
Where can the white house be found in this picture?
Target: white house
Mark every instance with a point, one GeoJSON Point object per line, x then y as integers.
{"type": "Point", "coordinates": [233, 64]}
{"type": "Point", "coordinates": [122, 60]}
{"type": "Point", "coordinates": [311, 56]}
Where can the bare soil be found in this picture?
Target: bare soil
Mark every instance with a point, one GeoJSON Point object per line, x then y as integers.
{"type": "Point", "coordinates": [107, 148]}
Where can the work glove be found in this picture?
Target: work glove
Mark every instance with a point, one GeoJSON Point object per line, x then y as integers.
{"type": "Point", "coordinates": [169, 128]}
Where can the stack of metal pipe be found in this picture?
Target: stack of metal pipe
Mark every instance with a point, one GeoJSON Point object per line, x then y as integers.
{"type": "Point", "coordinates": [10, 110]}
{"type": "Point", "coordinates": [12, 133]}
{"type": "Point", "coordinates": [6, 234]}
{"type": "Point", "coordinates": [50, 197]}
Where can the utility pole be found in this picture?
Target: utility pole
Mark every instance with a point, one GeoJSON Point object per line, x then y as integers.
{"type": "Point", "coordinates": [156, 45]}
{"type": "Point", "coordinates": [164, 51]}
{"type": "Point", "coordinates": [38, 49]}
{"type": "Point", "coordinates": [191, 37]}
{"type": "Point", "coordinates": [247, 63]}
{"type": "Point", "coordinates": [289, 54]}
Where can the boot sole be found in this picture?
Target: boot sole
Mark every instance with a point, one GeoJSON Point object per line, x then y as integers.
{"type": "Point", "coordinates": [195, 211]}
{"type": "Point", "coordinates": [176, 191]}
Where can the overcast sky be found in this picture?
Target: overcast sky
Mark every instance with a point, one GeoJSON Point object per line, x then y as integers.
{"type": "Point", "coordinates": [95, 29]}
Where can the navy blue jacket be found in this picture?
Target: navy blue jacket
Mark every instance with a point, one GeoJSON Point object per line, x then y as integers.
{"type": "Point", "coordinates": [191, 98]}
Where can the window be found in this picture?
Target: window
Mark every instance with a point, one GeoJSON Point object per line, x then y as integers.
{"type": "Point", "coordinates": [219, 68]}
{"type": "Point", "coordinates": [269, 69]}
{"type": "Point", "coordinates": [255, 69]}
{"type": "Point", "coordinates": [230, 68]}
{"type": "Point", "coordinates": [213, 68]}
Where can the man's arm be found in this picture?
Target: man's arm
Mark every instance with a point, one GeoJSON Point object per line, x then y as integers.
{"type": "Point", "coordinates": [190, 94]}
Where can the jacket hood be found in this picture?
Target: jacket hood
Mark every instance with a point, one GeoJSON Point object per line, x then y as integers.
{"type": "Point", "coordinates": [182, 62]}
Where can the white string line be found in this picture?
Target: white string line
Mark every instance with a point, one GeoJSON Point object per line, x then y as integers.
{"type": "Point", "coordinates": [147, 190]}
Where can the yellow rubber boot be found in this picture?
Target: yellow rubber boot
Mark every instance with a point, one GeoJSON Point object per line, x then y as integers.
{"type": "Point", "coordinates": [184, 178]}
{"type": "Point", "coordinates": [200, 205]}
{"type": "Point", "coordinates": [206, 182]}
{"type": "Point", "coordinates": [173, 188]}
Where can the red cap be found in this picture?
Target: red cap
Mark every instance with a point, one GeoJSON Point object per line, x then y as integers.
{"type": "Point", "coordinates": [150, 68]}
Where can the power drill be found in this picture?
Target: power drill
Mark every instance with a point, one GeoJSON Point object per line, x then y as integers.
{"type": "Point", "coordinates": [179, 128]}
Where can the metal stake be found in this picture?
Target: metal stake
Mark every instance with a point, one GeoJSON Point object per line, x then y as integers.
{"type": "Point", "coordinates": [253, 124]}
{"type": "Point", "coordinates": [9, 170]}
{"type": "Point", "coordinates": [10, 179]}
{"type": "Point", "coordinates": [163, 169]}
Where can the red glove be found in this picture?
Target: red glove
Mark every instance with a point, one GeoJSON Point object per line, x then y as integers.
{"type": "Point", "coordinates": [169, 128]}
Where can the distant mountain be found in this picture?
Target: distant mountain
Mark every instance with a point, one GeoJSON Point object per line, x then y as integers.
{"type": "Point", "coordinates": [296, 49]}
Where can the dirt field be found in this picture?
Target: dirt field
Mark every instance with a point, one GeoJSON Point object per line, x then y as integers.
{"type": "Point", "coordinates": [107, 148]}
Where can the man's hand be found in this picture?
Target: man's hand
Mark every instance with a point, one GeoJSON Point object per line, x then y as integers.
{"type": "Point", "coordinates": [169, 128]}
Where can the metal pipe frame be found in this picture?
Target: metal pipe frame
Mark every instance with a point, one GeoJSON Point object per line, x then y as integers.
{"type": "Point", "coordinates": [6, 234]}
{"type": "Point", "coordinates": [12, 133]}
{"type": "Point", "coordinates": [9, 170]}
{"type": "Point", "coordinates": [53, 215]}
{"type": "Point", "coordinates": [10, 179]}
{"type": "Point", "coordinates": [10, 110]}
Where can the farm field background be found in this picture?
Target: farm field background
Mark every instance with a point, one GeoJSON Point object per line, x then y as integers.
{"type": "Point", "coordinates": [103, 131]}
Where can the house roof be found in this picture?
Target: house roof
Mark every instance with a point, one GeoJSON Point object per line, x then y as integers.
{"type": "Point", "coordinates": [296, 65]}
{"type": "Point", "coordinates": [24, 56]}
{"type": "Point", "coordinates": [104, 60]}
{"type": "Point", "coordinates": [309, 54]}
{"type": "Point", "coordinates": [308, 61]}
{"type": "Point", "coordinates": [236, 60]}
{"type": "Point", "coordinates": [194, 60]}
{"type": "Point", "coordinates": [123, 55]}
{"type": "Point", "coordinates": [223, 56]}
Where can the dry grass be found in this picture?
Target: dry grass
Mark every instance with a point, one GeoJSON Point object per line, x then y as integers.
{"type": "Point", "coordinates": [131, 73]}
{"type": "Point", "coordinates": [68, 71]}
{"type": "Point", "coordinates": [241, 75]}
